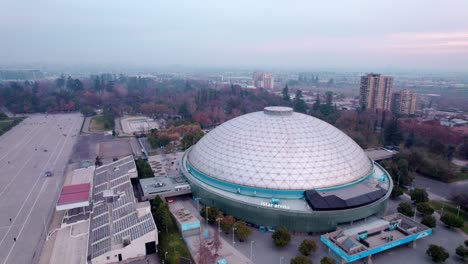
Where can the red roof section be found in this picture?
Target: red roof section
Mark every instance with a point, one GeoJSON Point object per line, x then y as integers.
{"type": "Point", "coordinates": [74, 194]}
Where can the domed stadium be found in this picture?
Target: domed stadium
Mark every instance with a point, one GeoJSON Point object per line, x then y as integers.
{"type": "Point", "coordinates": [278, 168]}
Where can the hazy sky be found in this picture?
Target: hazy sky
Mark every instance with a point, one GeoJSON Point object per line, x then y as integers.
{"type": "Point", "coordinates": [406, 34]}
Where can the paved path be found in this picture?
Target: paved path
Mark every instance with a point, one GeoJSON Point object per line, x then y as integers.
{"type": "Point", "coordinates": [441, 189]}
{"type": "Point", "coordinates": [38, 144]}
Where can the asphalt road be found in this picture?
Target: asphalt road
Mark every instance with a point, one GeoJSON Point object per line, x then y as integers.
{"type": "Point", "coordinates": [38, 144]}
{"type": "Point", "coordinates": [442, 189]}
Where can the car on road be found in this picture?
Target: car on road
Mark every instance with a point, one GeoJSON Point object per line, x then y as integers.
{"type": "Point", "coordinates": [48, 174]}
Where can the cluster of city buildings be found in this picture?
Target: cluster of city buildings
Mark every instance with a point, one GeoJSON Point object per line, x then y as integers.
{"type": "Point", "coordinates": [376, 93]}
{"type": "Point", "coordinates": [263, 80]}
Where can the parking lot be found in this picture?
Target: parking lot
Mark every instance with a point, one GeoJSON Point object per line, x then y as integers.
{"type": "Point", "coordinates": [27, 198]}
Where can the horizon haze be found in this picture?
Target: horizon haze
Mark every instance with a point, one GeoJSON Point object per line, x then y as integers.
{"type": "Point", "coordinates": [421, 35]}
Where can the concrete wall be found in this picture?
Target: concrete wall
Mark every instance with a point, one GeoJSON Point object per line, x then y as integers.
{"type": "Point", "coordinates": [135, 250]}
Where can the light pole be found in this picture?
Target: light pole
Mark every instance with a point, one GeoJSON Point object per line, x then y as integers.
{"type": "Point", "coordinates": [165, 253]}
{"type": "Point", "coordinates": [251, 249]}
{"type": "Point", "coordinates": [281, 260]}
{"type": "Point", "coordinates": [198, 203]}
{"type": "Point", "coordinates": [233, 230]}
{"type": "Point", "coordinates": [219, 224]}
{"type": "Point", "coordinates": [206, 214]}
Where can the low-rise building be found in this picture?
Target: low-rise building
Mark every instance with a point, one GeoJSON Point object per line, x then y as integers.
{"type": "Point", "coordinates": [120, 228]}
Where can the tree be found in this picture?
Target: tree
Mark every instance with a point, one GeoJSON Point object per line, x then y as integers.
{"type": "Point", "coordinates": [393, 135]}
{"type": "Point", "coordinates": [184, 112]}
{"type": "Point", "coordinates": [327, 260]}
{"type": "Point", "coordinates": [461, 198]}
{"type": "Point", "coordinates": [316, 105]}
{"type": "Point", "coordinates": [212, 213]}
{"type": "Point", "coordinates": [462, 252]}
{"type": "Point", "coordinates": [163, 217]}
{"type": "Point", "coordinates": [299, 104]}
{"type": "Point", "coordinates": [405, 209]}
{"type": "Point", "coordinates": [60, 82]}
{"type": "Point", "coordinates": [143, 169]}
{"type": "Point", "coordinates": [307, 247]}
{"type": "Point", "coordinates": [286, 96]}
{"type": "Point", "coordinates": [226, 223]}
{"type": "Point", "coordinates": [396, 192]}
{"type": "Point", "coordinates": [410, 140]}
{"type": "Point", "coordinates": [452, 220]}
{"type": "Point", "coordinates": [425, 209]}
{"type": "Point", "coordinates": [329, 95]}
{"type": "Point", "coordinates": [242, 231]}
{"type": "Point", "coordinates": [281, 237]}
{"type": "Point", "coordinates": [191, 138]}
{"type": "Point", "coordinates": [301, 259]}
{"type": "Point", "coordinates": [98, 161]}
{"type": "Point", "coordinates": [217, 245]}
{"type": "Point", "coordinates": [419, 195]}
{"type": "Point", "coordinates": [429, 221]}
{"type": "Point", "coordinates": [437, 253]}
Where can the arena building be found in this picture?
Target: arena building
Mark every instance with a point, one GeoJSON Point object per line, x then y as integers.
{"type": "Point", "coordinates": [278, 168]}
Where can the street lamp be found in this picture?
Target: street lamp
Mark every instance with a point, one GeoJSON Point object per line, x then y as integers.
{"type": "Point", "coordinates": [198, 203]}
{"type": "Point", "coordinates": [219, 224]}
{"type": "Point", "coordinates": [251, 249]}
{"type": "Point", "coordinates": [165, 253]}
{"type": "Point", "coordinates": [281, 260]}
{"type": "Point", "coordinates": [206, 214]}
{"type": "Point", "coordinates": [233, 230]}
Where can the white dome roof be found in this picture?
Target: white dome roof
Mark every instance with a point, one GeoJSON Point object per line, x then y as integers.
{"type": "Point", "coordinates": [280, 149]}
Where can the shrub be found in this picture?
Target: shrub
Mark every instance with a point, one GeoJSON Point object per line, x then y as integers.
{"type": "Point", "coordinates": [452, 220]}
{"type": "Point", "coordinates": [396, 192]}
{"type": "Point", "coordinates": [405, 209]}
{"type": "Point", "coordinates": [429, 221]}
{"type": "Point", "coordinates": [437, 253]}
{"type": "Point", "coordinates": [462, 252]}
{"type": "Point", "coordinates": [227, 223]}
{"type": "Point", "coordinates": [425, 209]}
{"type": "Point", "coordinates": [327, 260]}
{"type": "Point", "coordinates": [242, 230]}
{"type": "Point", "coordinates": [281, 237]}
{"type": "Point", "coordinates": [301, 259]}
{"type": "Point", "coordinates": [419, 196]}
{"type": "Point", "coordinates": [307, 247]}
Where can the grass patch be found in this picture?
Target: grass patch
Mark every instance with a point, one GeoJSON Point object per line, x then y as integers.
{"type": "Point", "coordinates": [174, 245]}
{"type": "Point", "coordinates": [460, 176]}
{"type": "Point", "coordinates": [97, 124]}
{"type": "Point", "coordinates": [448, 207]}
{"type": "Point", "coordinates": [170, 240]}
{"type": "Point", "coordinates": [8, 124]}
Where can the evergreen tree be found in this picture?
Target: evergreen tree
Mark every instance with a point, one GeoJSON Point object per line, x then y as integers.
{"type": "Point", "coordinates": [286, 96]}
{"type": "Point", "coordinates": [299, 104]}
{"type": "Point", "coordinates": [410, 140]}
{"type": "Point", "coordinates": [316, 105]}
{"type": "Point", "coordinates": [393, 135]}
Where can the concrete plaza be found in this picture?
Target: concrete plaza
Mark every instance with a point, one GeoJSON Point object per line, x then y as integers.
{"type": "Point", "coordinates": [27, 198]}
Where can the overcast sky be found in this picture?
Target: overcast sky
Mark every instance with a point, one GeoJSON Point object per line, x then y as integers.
{"type": "Point", "coordinates": [401, 34]}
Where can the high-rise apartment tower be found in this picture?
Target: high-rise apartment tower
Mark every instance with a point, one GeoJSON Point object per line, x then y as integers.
{"type": "Point", "coordinates": [376, 92]}
{"type": "Point", "coordinates": [404, 102]}
{"type": "Point", "coordinates": [263, 80]}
